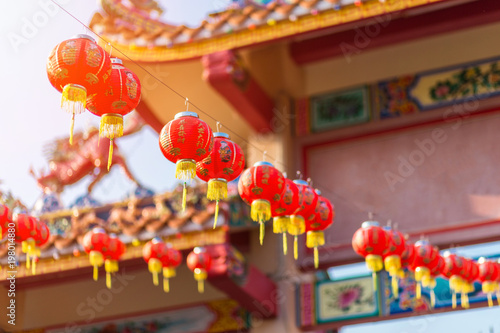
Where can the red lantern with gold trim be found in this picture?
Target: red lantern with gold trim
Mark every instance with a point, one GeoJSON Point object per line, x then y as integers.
{"type": "Point", "coordinates": [286, 206]}
{"type": "Point", "coordinates": [199, 262]}
{"type": "Point", "coordinates": [77, 67]}
{"type": "Point", "coordinates": [119, 96]}
{"type": "Point", "coordinates": [489, 273]}
{"type": "Point", "coordinates": [470, 274]}
{"type": "Point", "coordinates": [224, 164]}
{"type": "Point", "coordinates": [426, 259]}
{"type": "Point", "coordinates": [454, 268]}
{"type": "Point", "coordinates": [261, 186]}
{"type": "Point", "coordinates": [308, 200]}
{"type": "Point", "coordinates": [155, 252]}
{"type": "Point", "coordinates": [115, 250]}
{"type": "Point", "coordinates": [5, 219]}
{"type": "Point", "coordinates": [371, 241]}
{"type": "Point", "coordinates": [431, 283]}
{"type": "Point", "coordinates": [324, 214]}
{"type": "Point", "coordinates": [25, 234]}
{"type": "Point", "coordinates": [41, 238]}
{"type": "Point", "coordinates": [392, 257]}
{"type": "Point", "coordinates": [170, 262]}
{"type": "Point", "coordinates": [95, 243]}
{"type": "Point", "coordinates": [185, 141]}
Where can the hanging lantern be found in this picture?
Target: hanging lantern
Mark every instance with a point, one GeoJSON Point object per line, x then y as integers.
{"type": "Point", "coordinates": [77, 68]}
{"type": "Point", "coordinates": [172, 260]}
{"type": "Point", "coordinates": [392, 257]}
{"type": "Point", "coordinates": [431, 283]}
{"type": "Point", "coordinates": [115, 250]}
{"type": "Point", "coordinates": [119, 96]}
{"type": "Point", "coordinates": [199, 261]}
{"type": "Point", "coordinates": [26, 234]}
{"type": "Point", "coordinates": [286, 206]}
{"type": "Point", "coordinates": [371, 241]}
{"type": "Point", "coordinates": [41, 237]}
{"type": "Point", "coordinates": [260, 187]}
{"type": "Point", "coordinates": [315, 236]}
{"type": "Point", "coordinates": [5, 219]}
{"type": "Point", "coordinates": [407, 258]}
{"type": "Point", "coordinates": [185, 141]}
{"type": "Point", "coordinates": [453, 269]}
{"type": "Point", "coordinates": [308, 200]}
{"type": "Point", "coordinates": [426, 259]}
{"type": "Point", "coordinates": [471, 273]}
{"type": "Point", "coordinates": [489, 272]}
{"type": "Point", "coordinates": [154, 253]}
{"type": "Point", "coordinates": [224, 164]}
{"type": "Point", "coordinates": [95, 243]}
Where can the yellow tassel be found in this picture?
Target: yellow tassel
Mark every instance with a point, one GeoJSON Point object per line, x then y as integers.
{"type": "Point", "coordinates": [490, 300]}
{"type": "Point", "coordinates": [454, 300]}
{"type": "Point", "coordinates": [111, 126]}
{"type": "Point", "coordinates": [96, 259]}
{"type": "Point", "coordinates": [262, 232]}
{"type": "Point", "coordinates": [201, 287]}
{"type": "Point", "coordinates": [295, 247]}
{"type": "Point", "coordinates": [108, 280]}
{"type": "Point", "coordinates": [316, 260]}
{"type": "Point", "coordinates": [260, 210]}
{"type": "Point", "coordinates": [433, 298]}
{"type": "Point", "coordinates": [166, 285]}
{"type": "Point", "coordinates": [200, 276]}
{"type": "Point", "coordinates": [28, 260]}
{"type": "Point", "coordinates": [184, 197]}
{"type": "Point", "coordinates": [419, 291]}
{"type": "Point", "coordinates": [110, 156]}
{"type": "Point", "coordinates": [33, 267]}
{"type": "Point", "coordinates": [285, 244]}
{"type": "Point", "coordinates": [155, 278]}
{"type": "Point", "coordinates": [462, 301]}
{"type": "Point", "coordinates": [395, 286]}
{"type": "Point", "coordinates": [73, 100]}
{"type": "Point", "coordinates": [216, 213]}
{"type": "Point", "coordinates": [498, 297]}
{"type": "Point", "coordinates": [185, 169]}
{"type": "Point", "coordinates": [217, 189]}
{"type": "Point", "coordinates": [155, 267]}
{"type": "Point", "coordinates": [375, 281]}
{"type": "Point", "coordinates": [96, 272]}
{"type": "Point", "coordinates": [71, 128]}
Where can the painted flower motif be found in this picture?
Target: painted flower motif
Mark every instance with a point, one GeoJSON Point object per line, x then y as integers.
{"type": "Point", "coordinates": [348, 297]}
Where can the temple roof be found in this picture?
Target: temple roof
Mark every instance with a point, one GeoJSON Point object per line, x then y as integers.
{"type": "Point", "coordinates": [148, 39]}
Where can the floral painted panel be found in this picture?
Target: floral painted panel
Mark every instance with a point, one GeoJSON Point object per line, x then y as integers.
{"type": "Point", "coordinates": [347, 299]}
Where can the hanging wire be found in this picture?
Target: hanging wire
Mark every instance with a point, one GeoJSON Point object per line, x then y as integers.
{"type": "Point", "coordinates": [187, 103]}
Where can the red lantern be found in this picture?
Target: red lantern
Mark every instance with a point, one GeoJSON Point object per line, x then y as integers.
{"type": "Point", "coordinates": [324, 214]}
{"type": "Point", "coordinates": [426, 259]}
{"type": "Point", "coordinates": [392, 257]}
{"type": "Point", "coordinates": [454, 268]}
{"type": "Point", "coordinates": [154, 253]}
{"type": "Point", "coordinates": [489, 273]}
{"type": "Point", "coordinates": [170, 262]}
{"type": "Point", "coordinates": [115, 250]}
{"type": "Point", "coordinates": [407, 256]}
{"type": "Point", "coordinates": [25, 234]}
{"type": "Point", "coordinates": [371, 241]}
{"type": "Point", "coordinates": [41, 237]}
{"type": "Point", "coordinates": [119, 96]}
{"type": "Point", "coordinates": [185, 141]}
{"type": "Point", "coordinates": [77, 67]}
{"type": "Point", "coordinates": [261, 186]}
{"type": "Point", "coordinates": [95, 243]}
{"type": "Point", "coordinates": [470, 274]}
{"type": "Point", "coordinates": [281, 211]}
{"type": "Point", "coordinates": [5, 219]}
{"type": "Point", "coordinates": [224, 164]}
{"type": "Point", "coordinates": [431, 283]}
{"type": "Point", "coordinates": [308, 200]}
{"type": "Point", "coordinates": [199, 261]}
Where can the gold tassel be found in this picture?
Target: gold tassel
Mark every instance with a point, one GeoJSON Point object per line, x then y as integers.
{"type": "Point", "coordinates": [184, 197]}
{"type": "Point", "coordinates": [33, 267]}
{"type": "Point", "coordinates": [375, 281]}
{"type": "Point", "coordinates": [217, 189]}
{"type": "Point", "coordinates": [316, 260]}
{"type": "Point", "coordinates": [108, 280]}
{"type": "Point", "coordinates": [166, 285]}
{"type": "Point", "coordinates": [454, 300]}
{"type": "Point", "coordinates": [498, 297]}
{"type": "Point", "coordinates": [74, 98]}
{"type": "Point", "coordinates": [395, 286]}
{"type": "Point", "coordinates": [96, 259]}
{"type": "Point", "coordinates": [462, 301]}
{"type": "Point", "coordinates": [155, 278]}
{"type": "Point", "coordinates": [185, 169]}
{"type": "Point", "coordinates": [200, 275]}
{"type": "Point", "coordinates": [28, 260]}
{"type": "Point", "coordinates": [262, 232]}
{"type": "Point", "coordinates": [260, 210]}
{"type": "Point", "coordinates": [295, 247]}
{"type": "Point", "coordinates": [216, 213]}
{"type": "Point", "coordinates": [201, 287]}
{"type": "Point", "coordinates": [96, 272]}
{"type": "Point", "coordinates": [110, 156]}
{"type": "Point", "coordinates": [285, 244]}
{"type": "Point", "coordinates": [419, 291]}
{"type": "Point", "coordinates": [71, 128]}
{"type": "Point", "coordinates": [433, 298]}
{"type": "Point", "coordinates": [155, 267]}
{"type": "Point", "coordinates": [490, 300]}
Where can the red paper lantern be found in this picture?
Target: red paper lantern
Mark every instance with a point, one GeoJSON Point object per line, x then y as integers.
{"type": "Point", "coordinates": [155, 253]}
{"type": "Point", "coordinates": [407, 256]}
{"type": "Point", "coordinates": [261, 186]}
{"type": "Point", "coordinates": [392, 257]}
{"type": "Point", "coordinates": [5, 219]}
{"type": "Point", "coordinates": [115, 250]}
{"type": "Point", "coordinates": [489, 273]}
{"type": "Point", "coordinates": [323, 218]}
{"type": "Point", "coordinates": [41, 237]}
{"type": "Point", "coordinates": [224, 164]}
{"type": "Point", "coordinates": [77, 67]}
{"type": "Point", "coordinates": [119, 96]}
{"type": "Point", "coordinates": [95, 243]}
{"type": "Point", "coordinates": [25, 234]}
{"type": "Point", "coordinates": [199, 262]}
{"type": "Point", "coordinates": [308, 200]}
{"type": "Point", "coordinates": [371, 241]}
{"type": "Point", "coordinates": [431, 284]}
{"type": "Point", "coordinates": [286, 206]}
{"type": "Point", "coordinates": [426, 259]}
{"type": "Point", "coordinates": [170, 262]}
{"type": "Point", "coordinates": [453, 269]}
{"type": "Point", "coordinates": [185, 141]}
{"type": "Point", "coordinates": [470, 274]}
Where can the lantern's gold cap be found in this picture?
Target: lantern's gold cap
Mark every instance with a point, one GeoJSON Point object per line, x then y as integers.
{"type": "Point", "coordinates": [186, 114]}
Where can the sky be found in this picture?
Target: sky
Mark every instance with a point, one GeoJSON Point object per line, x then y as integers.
{"type": "Point", "coordinates": [31, 114]}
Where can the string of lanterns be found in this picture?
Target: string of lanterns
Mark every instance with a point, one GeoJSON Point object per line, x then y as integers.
{"type": "Point", "coordinates": [384, 247]}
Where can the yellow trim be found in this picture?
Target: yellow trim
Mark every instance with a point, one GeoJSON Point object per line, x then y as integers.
{"type": "Point", "coordinates": [263, 33]}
